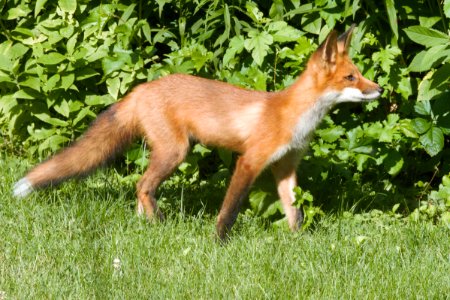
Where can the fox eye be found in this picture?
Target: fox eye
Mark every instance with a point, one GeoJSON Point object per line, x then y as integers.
{"type": "Point", "coordinates": [350, 77]}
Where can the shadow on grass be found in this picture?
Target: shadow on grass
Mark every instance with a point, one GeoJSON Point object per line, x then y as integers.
{"type": "Point", "coordinates": [334, 186]}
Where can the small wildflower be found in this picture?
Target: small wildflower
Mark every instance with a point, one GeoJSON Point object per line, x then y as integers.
{"type": "Point", "coordinates": [186, 251]}
{"type": "Point", "coordinates": [116, 263]}
{"type": "Point", "coordinates": [2, 295]}
{"type": "Point", "coordinates": [360, 239]}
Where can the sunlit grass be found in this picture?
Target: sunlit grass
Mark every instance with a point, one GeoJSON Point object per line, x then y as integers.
{"type": "Point", "coordinates": [83, 240]}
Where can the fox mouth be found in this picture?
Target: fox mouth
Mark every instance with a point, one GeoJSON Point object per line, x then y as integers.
{"type": "Point", "coordinates": [356, 95]}
{"type": "Point", "coordinates": [371, 95]}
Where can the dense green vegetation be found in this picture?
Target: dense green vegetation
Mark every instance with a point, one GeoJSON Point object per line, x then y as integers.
{"type": "Point", "coordinates": [61, 62]}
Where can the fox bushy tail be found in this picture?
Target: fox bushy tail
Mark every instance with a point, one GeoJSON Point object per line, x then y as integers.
{"type": "Point", "coordinates": [110, 133]}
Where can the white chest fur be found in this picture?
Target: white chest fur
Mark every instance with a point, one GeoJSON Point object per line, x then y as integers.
{"type": "Point", "coordinates": [306, 124]}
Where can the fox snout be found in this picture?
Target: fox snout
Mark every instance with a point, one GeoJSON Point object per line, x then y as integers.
{"type": "Point", "coordinates": [372, 93]}
{"type": "Point", "coordinates": [352, 94]}
{"type": "Point", "coordinates": [377, 89]}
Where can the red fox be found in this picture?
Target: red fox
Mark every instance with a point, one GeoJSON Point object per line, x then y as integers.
{"type": "Point", "coordinates": [265, 128]}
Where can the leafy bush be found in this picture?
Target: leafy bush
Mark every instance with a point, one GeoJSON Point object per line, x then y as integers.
{"type": "Point", "coordinates": [62, 62]}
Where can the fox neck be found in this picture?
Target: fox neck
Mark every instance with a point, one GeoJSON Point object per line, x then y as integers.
{"type": "Point", "coordinates": [314, 106]}
{"type": "Point", "coordinates": [310, 105]}
{"type": "Point", "coordinates": [312, 101]}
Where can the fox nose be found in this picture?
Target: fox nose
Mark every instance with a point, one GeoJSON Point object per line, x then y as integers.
{"type": "Point", "coordinates": [380, 89]}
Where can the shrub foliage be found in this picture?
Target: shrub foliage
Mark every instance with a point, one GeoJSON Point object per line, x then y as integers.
{"type": "Point", "coordinates": [61, 62]}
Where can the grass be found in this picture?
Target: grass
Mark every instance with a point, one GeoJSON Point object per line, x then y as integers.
{"type": "Point", "coordinates": [83, 240]}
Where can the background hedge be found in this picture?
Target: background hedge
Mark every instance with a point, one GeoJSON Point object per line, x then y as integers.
{"type": "Point", "coordinates": [62, 62]}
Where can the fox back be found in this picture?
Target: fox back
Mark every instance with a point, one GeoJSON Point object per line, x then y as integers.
{"type": "Point", "coordinates": [265, 128]}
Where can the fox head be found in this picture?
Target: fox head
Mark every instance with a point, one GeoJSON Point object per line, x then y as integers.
{"type": "Point", "coordinates": [334, 71]}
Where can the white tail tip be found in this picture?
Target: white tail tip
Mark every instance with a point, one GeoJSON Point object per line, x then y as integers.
{"type": "Point", "coordinates": [22, 188]}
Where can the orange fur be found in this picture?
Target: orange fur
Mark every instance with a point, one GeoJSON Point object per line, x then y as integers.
{"type": "Point", "coordinates": [265, 128]}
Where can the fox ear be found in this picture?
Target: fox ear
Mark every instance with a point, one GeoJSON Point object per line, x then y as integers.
{"type": "Point", "coordinates": [328, 50]}
{"type": "Point", "coordinates": [345, 39]}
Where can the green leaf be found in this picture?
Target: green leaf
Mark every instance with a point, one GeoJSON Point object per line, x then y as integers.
{"type": "Point", "coordinates": [418, 64]}
{"type": "Point", "coordinates": [51, 82]}
{"type": "Point", "coordinates": [429, 21]}
{"type": "Point", "coordinates": [432, 141]}
{"type": "Point", "coordinates": [226, 33]}
{"type": "Point", "coordinates": [424, 60]}
{"type": "Point", "coordinates": [54, 143]}
{"type": "Point", "coordinates": [52, 58]}
{"type": "Point", "coordinates": [113, 85]}
{"type": "Point", "coordinates": [17, 51]}
{"type": "Point", "coordinates": [302, 196]}
{"type": "Point", "coordinates": [38, 7]}
{"type": "Point", "coordinates": [41, 134]}
{"type": "Point", "coordinates": [282, 32]}
{"type": "Point", "coordinates": [258, 43]}
{"type": "Point", "coordinates": [387, 57]}
{"type": "Point", "coordinates": [272, 209]}
{"type": "Point", "coordinates": [421, 125]}
{"type": "Point", "coordinates": [67, 81]}
{"type": "Point", "coordinates": [63, 108]}
{"type": "Point", "coordinates": [311, 23]}
{"type": "Point", "coordinates": [426, 92]}
{"type": "Point", "coordinates": [7, 102]}
{"type": "Point", "coordinates": [441, 76]}
{"type": "Point", "coordinates": [146, 30]}
{"type": "Point", "coordinates": [387, 134]}
{"type": "Point", "coordinates": [393, 162]}
{"type": "Point", "coordinates": [161, 4]}
{"type": "Point", "coordinates": [32, 82]}
{"type": "Point", "coordinates": [25, 94]}
{"type": "Point", "coordinates": [447, 8]}
{"type": "Point", "coordinates": [85, 73]}
{"type": "Point", "coordinates": [128, 12]}
{"type": "Point", "coordinates": [426, 36]}
{"type": "Point", "coordinates": [82, 114]}
{"type": "Point", "coordinates": [253, 12]}
{"type": "Point", "coordinates": [200, 149]}
{"type": "Point", "coordinates": [53, 121]}
{"type": "Point", "coordinates": [53, 24]}
{"type": "Point", "coordinates": [374, 130]}
{"type": "Point", "coordinates": [17, 12]}
{"type": "Point", "coordinates": [392, 15]}
{"type": "Point", "coordinates": [363, 149]}
{"type": "Point", "coordinates": [68, 6]}
{"type": "Point", "coordinates": [361, 160]}
{"type": "Point", "coordinates": [423, 108]}
{"type": "Point", "coordinates": [407, 128]}
{"type": "Point", "coordinates": [67, 31]}
{"type": "Point", "coordinates": [235, 47]}
{"type": "Point", "coordinates": [301, 10]}
{"type": "Point", "coordinates": [331, 134]}
{"type": "Point", "coordinates": [258, 199]}
{"type": "Point", "coordinates": [111, 64]}
{"type": "Point", "coordinates": [226, 156]}
{"type": "Point", "coordinates": [199, 56]}
{"type": "Point", "coordinates": [103, 100]}
{"type": "Point", "coordinates": [6, 63]}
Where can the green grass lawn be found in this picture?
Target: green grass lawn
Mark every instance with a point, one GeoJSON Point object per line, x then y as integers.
{"type": "Point", "coordinates": [83, 241]}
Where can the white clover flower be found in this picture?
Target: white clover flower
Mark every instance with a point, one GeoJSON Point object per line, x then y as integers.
{"type": "Point", "coordinates": [117, 264]}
